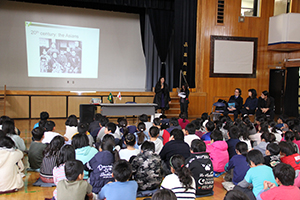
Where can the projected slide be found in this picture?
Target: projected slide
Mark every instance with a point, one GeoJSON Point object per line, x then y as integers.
{"type": "Point", "coordinates": [61, 51]}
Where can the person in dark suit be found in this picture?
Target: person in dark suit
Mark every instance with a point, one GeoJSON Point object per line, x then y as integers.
{"type": "Point", "coordinates": [265, 105]}
{"type": "Point", "coordinates": [184, 102]}
{"type": "Point", "coordinates": [235, 103]}
{"type": "Point", "coordinates": [162, 95]}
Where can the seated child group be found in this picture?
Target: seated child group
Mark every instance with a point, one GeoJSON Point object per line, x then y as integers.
{"type": "Point", "coordinates": [172, 158]}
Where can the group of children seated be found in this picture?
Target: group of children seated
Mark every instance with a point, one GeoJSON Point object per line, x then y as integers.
{"type": "Point", "coordinates": [166, 158]}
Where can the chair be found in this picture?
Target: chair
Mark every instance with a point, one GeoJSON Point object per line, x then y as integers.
{"type": "Point", "coordinates": [217, 110]}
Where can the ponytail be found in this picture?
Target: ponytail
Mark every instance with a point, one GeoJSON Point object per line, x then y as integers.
{"type": "Point", "coordinates": [184, 174]}
{"type": "Point", "coordinates": [108, 144]}
{"type": "Point", "coordinates": [141, 135]}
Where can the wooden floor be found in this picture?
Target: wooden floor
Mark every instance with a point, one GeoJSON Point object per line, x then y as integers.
{"type": "Point", "coordinates": [29, 192]}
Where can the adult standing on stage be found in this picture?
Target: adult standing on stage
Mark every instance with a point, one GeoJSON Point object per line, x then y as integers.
{"type": "Point", "coordinates": [162, 95]}
{"type": "Point", "coordinates": [265, 105]}
{"type": "Point", "coordinates": [184, 99]}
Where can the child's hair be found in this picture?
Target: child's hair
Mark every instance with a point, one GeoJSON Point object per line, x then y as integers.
{"type": "Point", "coordinates": [228, 124]}
{"type": "Point", "coordinates": [182, 116]}
{"type": "Point", "coordinates": [108, 144]}
{"type": "Point", "coordinates": [44, 115]}
{"type": "Point", "coordinates": [285, 173]}
{"type": "Point", "coordinates": [111, 127]}
{"type": "Point", "coordinates": [164, 194]}
{"type": "Point", "coordinates": [265, 136]}
{"type": "Point", "coordinates": [177, 134]}
{"type": "Point", "coordinates": [174, 121]}
{"type": "Point", "coordinates": [289, 136]}
{"type": "Point", "coordinates": [243, 132]}
{"type": "Point", "coordinates": [218, 124]}
{"type": "Point", "coordinates": [235, 195]}
{"type": "Point", "coordinates": [198, 145]}
{"type": "Point", "coordinates": [53, 148]}
{"type": "Point", "coordinates": [247, 122]}
{"type": "Point", "coordinates": [103, 121]}
{"type": "Point", "coordinates": [123, 123]}
{"type": "Point", "coordinates": [242, 147]}
{"type": "Point", "coordinates": [37, 133]}
{"type": "Point", "coordinates": [80, 140]}
{"type": "Point", "coordinates": [156, 121]}
{"type": "Point", "coordinates": [205, 116]}
{"type": "Point", "coordinates": [82, 128]}
{"type": "Point", "coordinates": [130, 139]}
{"type": "Point", "coordinates": [148, 146]}
{"type": "Point", "coordinates": [272, 124]}
{"type": "Point", "coordinates": [255, 156]}
{"type": "Point", "coordinates": [3, 118]}
{"type": "Point", "coordinates": [122, 170]}
{"type": "Point", "coordinates": [210, 126]}
{"type": "Point", "coordinates": [190, 128]}
{"type": "Point", "coordinates": [73, 168]}
{"type": "Point", "coordinates": [216, 135]}
{"type": "Point", "coordinates": [8, 127]}
{"type": "Point", "coordinates": [49, 125]}
{"type": "Point", "coordinates": [272, 138]}
{"type": "Point", "coordinates": [286, 148]}
{"type": "Point", "coordinates": [97, 117]}
{"type": "Point", "coordinates": [67, 152]}
{"type": "Point", "coordinates": [71, 121]}
{"type": "Point", "coordinates": [177, 162]}
{"type": "Point", "coordinates": [197, 124]}
{"type": "Point", "coordinates": [141, 135]}
{"type": "Point", "coordinates": [273, 148]}
{"type": "Point", "coordinates": [2, 134]}
{"type": "Point", "coordinates": [6, 142]}
{"type": "Point", "coordinates": [290, 123]}
{"type": "Point", "coordinates": [143, 118]}
{"type": "Point", "coordinates": [153, 131]}
{"type": "Point", "coordinates": [234, 132]}
{"type": "Point", "coordinates": [238, 121]}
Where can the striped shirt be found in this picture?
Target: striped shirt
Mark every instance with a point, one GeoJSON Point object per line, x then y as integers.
{"type": "Point", "coordinates": [58, 175]}
{"type": "Point", "coordinates": [47, 166]}
{"type": "Point", "coordinates": [172, 182]}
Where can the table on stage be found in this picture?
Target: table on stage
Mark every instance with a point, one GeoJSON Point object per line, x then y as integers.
{"type": "Point", "coordinates": [110, 109]}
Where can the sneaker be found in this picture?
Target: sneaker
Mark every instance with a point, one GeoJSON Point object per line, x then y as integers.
{"type": "Point", "coordinates": [228, 185]}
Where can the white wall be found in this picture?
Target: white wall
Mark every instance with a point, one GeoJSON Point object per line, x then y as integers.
{"type": "Point", "coordinates": [121, 60]}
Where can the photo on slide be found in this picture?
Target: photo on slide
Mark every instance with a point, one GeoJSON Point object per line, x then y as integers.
{"type": "Point", "coordinates": [60, 56]}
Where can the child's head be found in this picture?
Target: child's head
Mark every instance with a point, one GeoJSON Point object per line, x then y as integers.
{"type": "Point", "coordinates": [53, 148]}
{"type": "Point", "coordinates": [6, 142]}
{"type": "Point", "coordinates": [210, 126]}
{"type": "Point", "coordinates": [190, 128]}
{"type": "Point", "coordinates": [82, 128]}
{"type": "Point", "coordinates": [272, 149]}
{"type": "Point", "coordinates": [284, 173]}
{"type": "Point", "coordinates": [205, 116]}
{"type": "Point", "coordinates": [265, 137]}
{"type": "Point", "coordinates": [141, 135]}
{"type": "Point", "coordinates": [156, 122]}
{"type": "Point", "coordinates": [74, 170]}
{"type": "Point", "coordinates": [97, 117]}
{"type": "Point", "coordinates": [177, 163]}
{"type": "Point", "coordinates": [141, 127]}
{"type": "Point", "coordinates": [164, 194]}
{"type": "Point", "coordinates": [122, 170]}
{"type": "Point", "coordinates": [182, 116]}
{"type": "Point", "coordinates": [123, 122]}
{"type": "Point", "coordinates": [38, 133]}
{"type": "Point", "coordinates": [148, 146]}
{"type": "Point", "coordinates": [80, 140]}
{"type": "Point", "coordinates": [8, 127]}
{"type": "Point", "coordinates": [216, 135]}
{"type": "Point", "coordinates": [177, 134]}
{"type": "Point", "coordinates": [108, 144]}
{"type": "Point", "coordinates": [197, 124]}
{"type": "Point", "coordinates": [154, 131]}
{"type": "Point", "coordinates": [103, 121]}
{"type": "Point", "coordinates": [130, 139]}
{"type": "Point", "coordinates": [143, 118]}
{"type": "Point", "coordinates": [174, 121]}
{"type": "Point", "coordinates": [44, 115]}
{"type": "Point", "coordinates": [234, 132]}
{"type": "Point", "coordinates": [289, 136]}
{"type": "Point", "coordinates": [3, 118]}
{"type": "Point", "coordinates": [110, 127]}
{"type": "Point", "coordinates": [67, 152]}
{"type": "Point", "coordinates": [71, 121]}
{"type": "Point", "coordinates": [242, 148]}
{"type": "Point", "coordinates": [236, 195]}
{"type": "Point", "coordinates": [255, 157]}
{"type": "Point", "coordinates": [198, 146]}
{"type": "Point", "coordinates": [50, 126]}
{"type": "Point", "coordinates": [286, 149]}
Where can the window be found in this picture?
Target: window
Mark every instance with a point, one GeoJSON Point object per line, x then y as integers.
{"type": "Point", "coordinates": [250, 8]}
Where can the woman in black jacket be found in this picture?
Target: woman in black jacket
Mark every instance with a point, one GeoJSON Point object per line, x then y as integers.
{"type": "Point", "coordinates": [162, 95]}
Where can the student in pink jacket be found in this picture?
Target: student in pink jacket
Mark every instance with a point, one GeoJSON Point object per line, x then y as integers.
{"type": "Point", "coordinates": [218, 151]}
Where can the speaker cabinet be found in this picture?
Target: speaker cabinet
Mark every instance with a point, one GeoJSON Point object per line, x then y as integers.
{"type": "Point", "coordinates": [87, 113]}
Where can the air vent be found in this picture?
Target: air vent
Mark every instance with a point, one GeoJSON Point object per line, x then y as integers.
{"type": "Point", "coordinates": [220, 12]}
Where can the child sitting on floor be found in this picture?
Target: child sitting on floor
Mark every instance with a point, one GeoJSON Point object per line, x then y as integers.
{"type": "Point", "coordinates": [209, 127]}
{"type": "Point", "coordinates": [67, 152]}
{"type": "Point", "coordinates": [51, 153]}
{"type": "Point", "coordinates": [164, 194]}
{"type": "Point", "coordinates": [233, 136]}
{"type": "Point", "coordinates": [11, 166]}
{"type": "Point", "coordinates": [130, 141]}
{"type": "Point", "coordinates": [35, 153]}
{"type": "Point", "coordinates": [163, 133]}
{"type": "Point", "coordinates": [272, 157]}
{"type": "Point", "coordinates": [8, 127]}
{"type": "Point", "coordinates": [122, 188]}
{"type": "Point", "coordinates": [74, 187]}
{"type": "Point", "coordinates": [284, 176]}
{"type": "Point", "coordinates": [154, 133]}
{"type": "Point", "coordinates": [288, 155]}
{"type": "Point", "coordinates": [71, 126]}
{"type": "Point", "coordinates": [141, 135]}
{"type": "Point", "coordinates": [100, 166]}
{"type": "Point", "coordinates": [218, 151]}
{"type": "Point", "coordinates": [201, 167]}
{"type": "Point", "coordinates": [50, 133]}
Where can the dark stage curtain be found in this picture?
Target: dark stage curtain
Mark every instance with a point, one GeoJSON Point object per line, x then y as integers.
{"type": "Point", "coordinates": [185, 33]}
{"type": "Point", "coordinates": [291, 92]}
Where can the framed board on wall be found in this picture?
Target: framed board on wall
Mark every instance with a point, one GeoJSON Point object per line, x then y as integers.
{"type": "Point", "coordinates": [233, 56]}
